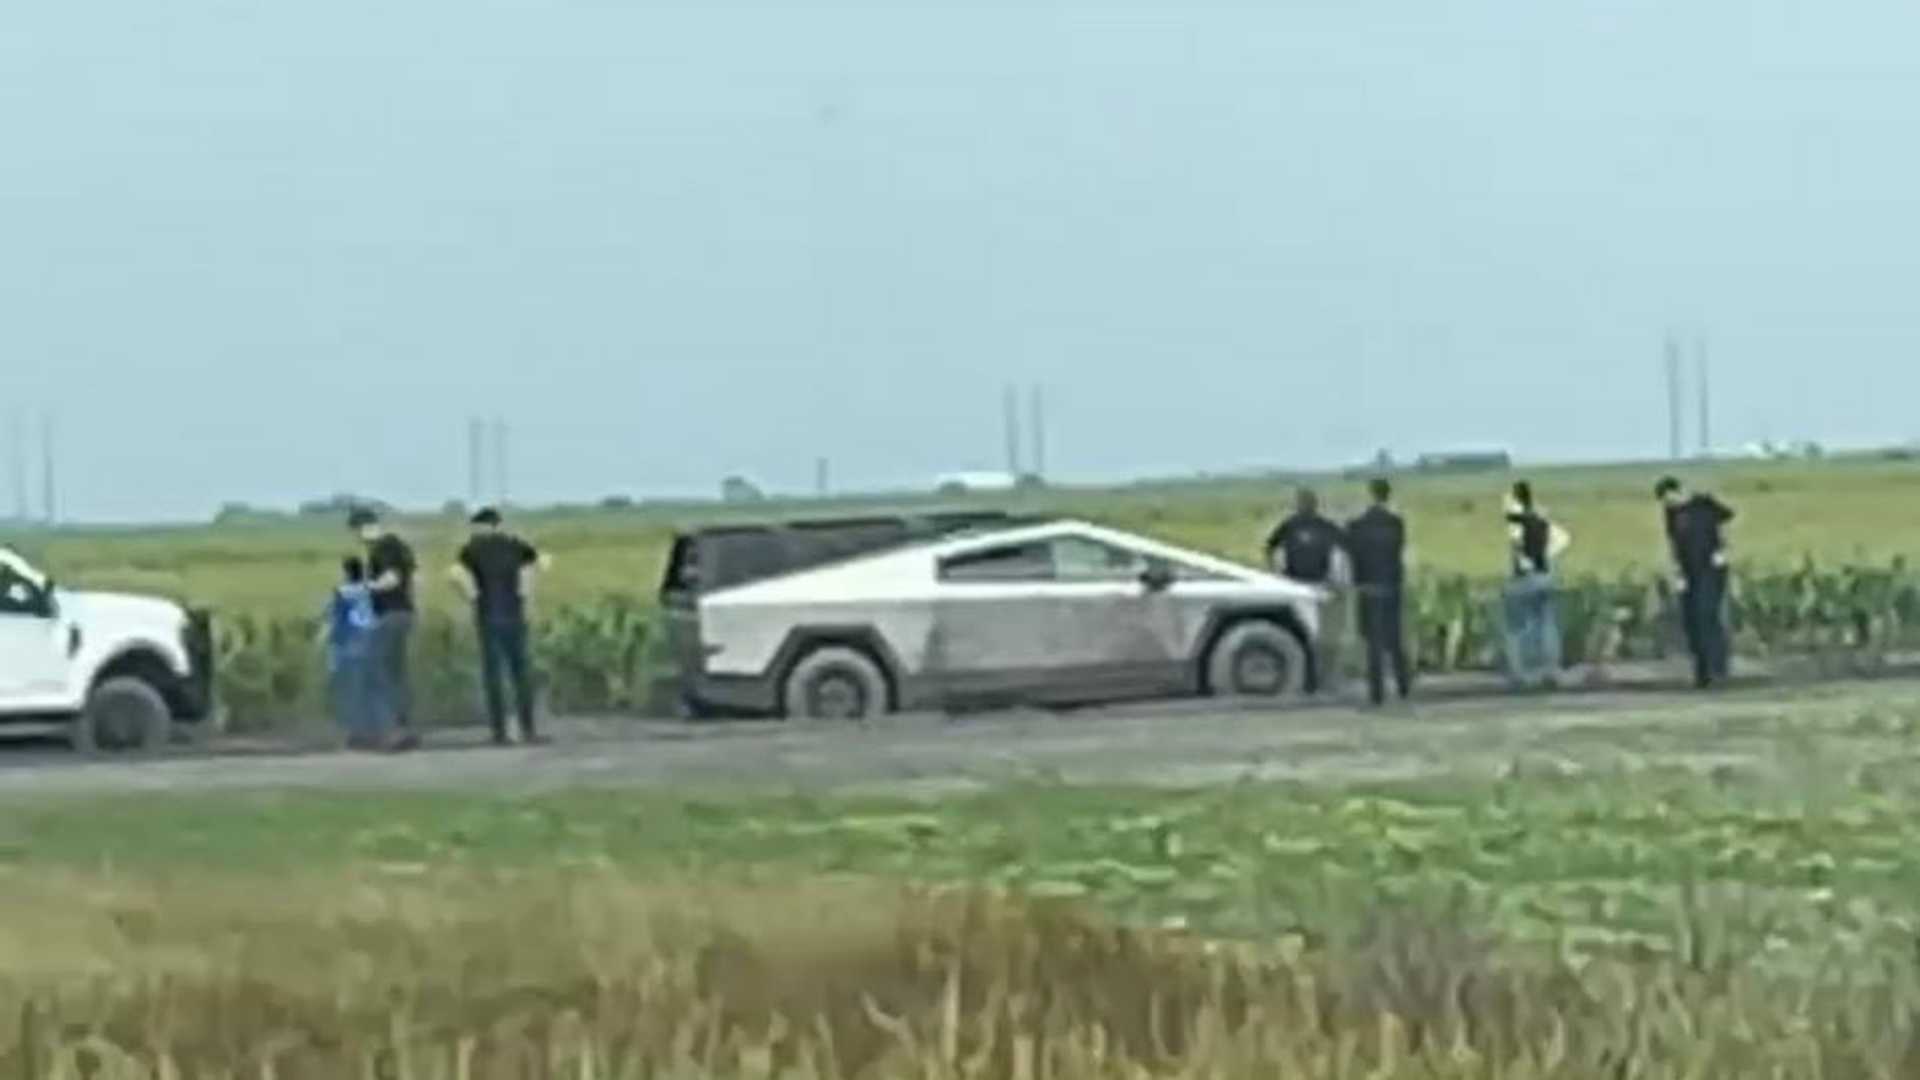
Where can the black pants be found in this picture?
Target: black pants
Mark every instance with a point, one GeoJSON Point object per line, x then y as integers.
{"type": "Point", "coordinates": [1381, 626]}
{"type": "Point", "coordinates": [1703, 614]}
{"type": "Point", "coordinates": [503, 652]}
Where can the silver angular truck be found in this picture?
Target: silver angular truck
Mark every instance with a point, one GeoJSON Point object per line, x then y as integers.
{"type": "Point", "coordinates": [852, 619]}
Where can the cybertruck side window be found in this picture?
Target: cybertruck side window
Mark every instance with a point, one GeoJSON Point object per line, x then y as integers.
{"type": "Point", "coordinates": [1079, 559]}
{"type": "Point", "coordinates": [1013, 562]}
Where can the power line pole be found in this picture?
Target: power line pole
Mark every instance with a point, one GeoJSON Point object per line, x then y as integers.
{"type": "Point", "coordinates": [1705, 390]}
{"type": "Point", "coordinates": [1675, 436]}
{"type": "Point", "coordinates": [1038, 423]}
{"type": "Point", "coordinates": [21, 510]}
{"type": "Point", "coordinates": [476, 457]}
{"type": "Point", "coordinates": [1013, 431]}
{"type": "Point", "coordinates": [49, 501]}
{"type": "Point", "coordinates": [500, 460]}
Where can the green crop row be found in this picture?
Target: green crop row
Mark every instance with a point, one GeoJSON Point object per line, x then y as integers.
{"type": "Point", "coordinates": [601, 656]}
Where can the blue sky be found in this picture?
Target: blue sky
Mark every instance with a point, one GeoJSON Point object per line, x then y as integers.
{"type": "Point", "coordinates": [268, 251]}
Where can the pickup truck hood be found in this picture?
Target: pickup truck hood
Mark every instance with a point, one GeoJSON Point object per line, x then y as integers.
{"type": "Point", "coordinates": [104, 609]}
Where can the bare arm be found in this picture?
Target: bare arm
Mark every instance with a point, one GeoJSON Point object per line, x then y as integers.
{"type": "Point", "coordinates": [1558, 541]}
{"type": "Point", "coordinates": [462, 581]}
{"type": "Point", "coordinates": [540, 564]}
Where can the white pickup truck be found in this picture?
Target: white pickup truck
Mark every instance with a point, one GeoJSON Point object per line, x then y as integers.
{"type": "Point", "coordinates": [115, 672]}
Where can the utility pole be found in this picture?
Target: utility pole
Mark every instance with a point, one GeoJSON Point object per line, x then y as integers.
{"type": "Point", "coordinates": [21, 510]}
{"type": "Point", "coordinates": [49, 501]}
{"type": "Point", "coordinates": [1013, 431]}
{"type": "Point", "coordinates": [476, 457]}
{"type": "Point", "coordinates": [500, 459]}
{"type": "Point", "coordinates": [1675, 436]}
{"type": "Point", "coordinates": [1705, 390]}
{"type": "Point", "coordinates": [1038, 423]}
{"type": "Point", "coordinates": [820, 484]}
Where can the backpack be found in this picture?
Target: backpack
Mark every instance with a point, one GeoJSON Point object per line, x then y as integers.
{"type": "Point", "coordinates": [349, 615]}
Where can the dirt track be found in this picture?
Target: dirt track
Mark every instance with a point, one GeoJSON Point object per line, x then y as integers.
{"type": "Point", "coordinates": [1195, 743]}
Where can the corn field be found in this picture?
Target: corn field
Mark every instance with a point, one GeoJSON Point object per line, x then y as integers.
{"type": "Point", "coordinates": [601, 657]}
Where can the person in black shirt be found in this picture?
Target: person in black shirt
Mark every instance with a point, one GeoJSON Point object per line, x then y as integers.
{"type": "Point", "coordinates": [1535, 543]}
{"type": "Point", "coordinates": [1696, 531]}
{"type": "Point", "coordinates": [1377, 541]}
{"type": "Point", "coordinates": [390, 572]}
{"type": "Point", "coordinates": [1308, 548]}
{"type": "Point", "coordinates": [492, 572]}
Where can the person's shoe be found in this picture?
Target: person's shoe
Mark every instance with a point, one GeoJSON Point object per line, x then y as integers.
{"type": "Point", "coordinates": [534, 738]}
{"type": "Point", "coordinates": [403, 741]}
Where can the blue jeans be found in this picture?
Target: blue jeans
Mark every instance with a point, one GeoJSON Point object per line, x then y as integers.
{"type": "Point", "coordinates": [350, 692]}
{"type": "Point", "coordinates": [503, 653]}
{"type": "Point", "coordinates": [1532, 630]}
{"type": "Point", "coordinates": [388, 683]}
{"type": "Point", "coordinates": [1703, 614]}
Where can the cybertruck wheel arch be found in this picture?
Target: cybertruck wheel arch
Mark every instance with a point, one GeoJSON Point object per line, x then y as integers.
{"type": "Point", "coordinates": [802, 640]}
{"type": "Point", "coordinates": [1222, 619]}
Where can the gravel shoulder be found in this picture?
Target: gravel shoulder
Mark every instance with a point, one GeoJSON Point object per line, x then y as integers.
{"type": "Point", "coordinates": [1186, 744]}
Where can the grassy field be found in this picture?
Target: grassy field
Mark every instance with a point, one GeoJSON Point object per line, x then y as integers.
{"type": "Point", "coordinates": [1822, 550]}
{"type": "Point", "coordinates": [1836, 512]}
{"type": "Point", "coordinates": [1556, 921]}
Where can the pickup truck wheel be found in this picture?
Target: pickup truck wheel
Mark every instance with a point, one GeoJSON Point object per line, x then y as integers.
{"type": "Point", "coordinates": [834, 683]}
{"type": "Point", "coordinates": [123, 715]}
{"type": "Point", "coordinates": [1257, 659]}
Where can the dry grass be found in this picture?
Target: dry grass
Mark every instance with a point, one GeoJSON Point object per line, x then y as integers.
{"type": "Point", "coordinates": [594, 975]}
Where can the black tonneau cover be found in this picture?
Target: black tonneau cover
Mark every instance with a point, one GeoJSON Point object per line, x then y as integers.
{"type": "Point", "coordinates": [721, 557]}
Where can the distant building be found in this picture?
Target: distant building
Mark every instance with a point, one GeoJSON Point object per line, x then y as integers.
{"type": "Point", "coordinates": [960, 483]}
{"type": "Point", "coordinates": [1466, 461]}
{"type": "Point", "coordinates": [739, 489]}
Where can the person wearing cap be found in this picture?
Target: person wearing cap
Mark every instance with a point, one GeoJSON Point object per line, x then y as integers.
{"type": "Point", "coordinates": [1534, 545]}
{"type": "Point", "coordinates": [492, 572]}
{"type": "Point", "coordinates": [1696, 531]}
{"type": "Point", "coordinates": [390, 572]}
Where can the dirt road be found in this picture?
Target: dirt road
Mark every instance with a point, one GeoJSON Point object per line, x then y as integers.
{"type": "Point", "coordinates": [1193, 744]}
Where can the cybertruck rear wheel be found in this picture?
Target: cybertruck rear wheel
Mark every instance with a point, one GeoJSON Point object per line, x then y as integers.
{"type": "Point", "coordinates": [834, 682]}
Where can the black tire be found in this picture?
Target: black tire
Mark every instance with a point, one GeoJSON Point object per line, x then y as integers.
{"type": "Point", "coordinates": [834, 682]}
{"type": "Point", "coordinates": [123, 715]}
{"type": "Point", "coordinates": [1258, 659]}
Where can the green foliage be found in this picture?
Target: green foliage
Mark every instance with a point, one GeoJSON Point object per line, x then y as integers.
{"type": "Point", "coordinates": [1648, 921]}
{"type": "Point", "coordinates": [589, 658]}
{"type": "Point", "coordinates": [1822, 567]}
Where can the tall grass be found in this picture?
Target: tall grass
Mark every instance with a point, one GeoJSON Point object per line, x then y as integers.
{"type": "Point", "coordinates": [590, 975]}
{"type": "Point", "coordinates": [601, 656]}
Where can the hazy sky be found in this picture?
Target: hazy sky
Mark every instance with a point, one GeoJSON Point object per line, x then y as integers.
{"type": "Point", "coordinates": [264, 251]}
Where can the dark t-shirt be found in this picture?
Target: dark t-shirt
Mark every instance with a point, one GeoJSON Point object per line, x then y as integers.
{"type": "Point", "coordinates": [391, 553]}
{"type": "Point", "coordinates": [495, 562]}
{"type": "Point", "coordinates": [1695, 530]}
{"type": "Point", "coordinates": [1530, 550]}
{"type": "Point", "coordinates": [1307, 543]}
{"type": "Point", "coordinates": [1377, 540]}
